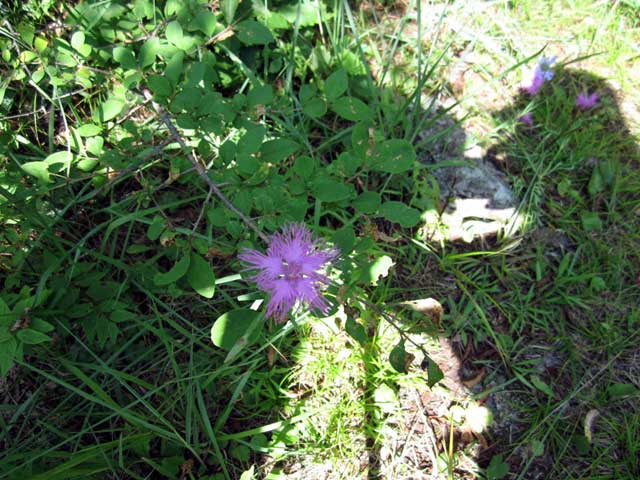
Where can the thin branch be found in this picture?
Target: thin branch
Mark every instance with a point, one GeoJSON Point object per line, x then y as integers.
{"type": "Point", "coordinates": [164, 117]}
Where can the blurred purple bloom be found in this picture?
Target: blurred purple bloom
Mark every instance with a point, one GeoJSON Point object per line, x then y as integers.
{"type": "Point", "coordinates": [584, 101]}
{"type": "Point", "coordinates": [527, 119]}
{"type": "Point", "coordinates": [541, 74]}
{"type": "Point", "coordinates": [291, 270]}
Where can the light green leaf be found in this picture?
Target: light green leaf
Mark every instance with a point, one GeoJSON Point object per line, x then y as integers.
{"type": "Point", "coordinates": [174, 33]}
{"type": "Point", "coordinates": [206, 22]}
{"type": "Point", "coordinates": [373, 271]}
{"type": "Point", "coordinates": [201, 277]}
{"type": "Point", "coordinates": [148, 52]}
{"type": "Point", "coordinates": [124, 56]}
{"type": "Point", "coordinates": [89, 130]}
{"type": "Point", "coordinates": [233, 326]}
{"type": "Point", "coordinates": [178, 271]}
{"type": "Point", "coordinates": [40, 170]}
{"type": "Point", "coordinates": [108, 110]}
{"type": "Point", "coordinates": [64, 157]}
{"type": "Point", "coordinates": [229, 8]}
{"type": "Point", "coordinates": [77, 40]}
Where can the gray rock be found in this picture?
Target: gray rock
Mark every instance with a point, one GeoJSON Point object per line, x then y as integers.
{"type": "Point", "coordinates": [478, 199]}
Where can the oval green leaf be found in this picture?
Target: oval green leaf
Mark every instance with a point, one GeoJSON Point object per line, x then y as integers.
{"type": "Point", "coordinates": [353, 109]}
{"type": "Point", "coordinates": [31, 337]}
{"type": "Point", "coordinates": [178, 271]}
{"type": "Point", "coordinates": [393, 156]}
{"type": "Point", "coordinates": [201, 277]}
{"type": "Point", "coordinates": [233, 326]}
{"type": "Point", "coordinates": [398, 212]}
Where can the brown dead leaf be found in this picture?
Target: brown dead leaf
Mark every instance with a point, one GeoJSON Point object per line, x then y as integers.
{"type": "Point", "coordinates": [476, 379]}
{"type": "Point", "coordinates": [430, 307]}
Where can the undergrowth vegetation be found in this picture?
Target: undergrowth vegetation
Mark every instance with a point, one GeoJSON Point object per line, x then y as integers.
{"type": "Point", "coordinates": [151, 150]}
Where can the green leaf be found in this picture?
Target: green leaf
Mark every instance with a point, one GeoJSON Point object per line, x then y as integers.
{"type": "Point", "coordinates": [206, 22]}
{"type": "Point", "coordinates": [233, 326]}
{"type": "Point", "coordinates": [434, 373]}
{"type": "Point", "coordinates": [367, 202]}
{"type": "Point", "coordinates": [108, 110]}
{"type": "Point", "coordinates": [148, 52]}
{"type": "Point", "coordinates": [89, 130]}
{"type": "Point", "coordinates": [376, 269]}
{"type": "Point", "coordinates": [353, 109]}
{"type": "Point", "coordinates": [155, 229]}
{"type": "Point", "coordinates": [40, 170]}
{"type": "Point", "coordinates": [174, 33]}
{"type": "Point", "coordinates": [41, 325]}
{"type": "Point", "coordinates": [31, 337]}
{"type": "Point", "coordinates": [590, 221]}
{"type": "Point", "coordinates": [251, 32]}
{"type": "Point", "coordinates": [397, 357]}
{"type": "Point", "coordinates": [393, 156]}
{"type": "Point", "coordinates": [361, 139]}
{"type": "Point", "coordinates": [497, 469]}
{"type": "Point", "coordinates": [596, 183]}
{"type": "Point", "coordinates": [398, 212]}
{"type": "Point", "coordinates": [7, 353]}
{"type": "Point", "coordinates": [251, 141]}
{"type": "Point", "coordinates": [331, 191]}
{"type": "Point", "coordinates": [6, 317]}
{"type": "Point", "coordinates": [304, 166]}
{"type": "Point", "coordinates": [336, 84]}
{"type": "Point", "coordinates": [160, 86]}
{"type": "Point", "coordinates": [229, 8]}
{"type": "Point", "coordinates": [276, 150]}
{"type": "Point", "coordinates": [175, 68]}
{"type": "Point", "coordinates": [64, 157]}
{"type": "Point", "coordinates": [315, 107]}
{"type": "Point", "coordinates": [124, 56]}
{"type": "Point", "coordinates": [619, 390]}
{"type": "Point", "coordinates": [200, 276]}
{"type": "Point", "coordinates": [248, 475]}
{"type": "Point", "coordinates": [344, 239]}
{"type": "Point", "coordinates": [260, 95]}
{"type": "Point", "coordinates": [178, 271]}
{"type": "Point", "coordinates": [77, 41]}
{"type": "Point", "coordinates": [356, 331]}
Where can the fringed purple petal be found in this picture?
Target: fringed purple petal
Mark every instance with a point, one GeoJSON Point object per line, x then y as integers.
{"type": "Point", "coordinates": [292, 270]}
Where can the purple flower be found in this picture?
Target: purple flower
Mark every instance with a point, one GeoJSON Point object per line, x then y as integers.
{"type": "Point", "coordinates": [292, 270]}
{"type": "Point", "coordinates": [584, 101]}
{"type": "Point", "coordinates": [527, 119]}
{"type": "Point", "coordinates": [541, 74]}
